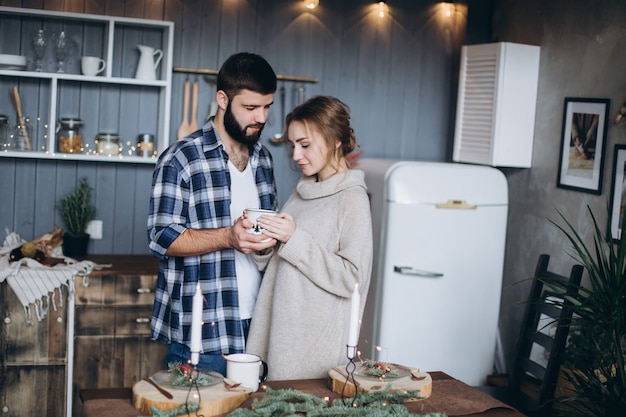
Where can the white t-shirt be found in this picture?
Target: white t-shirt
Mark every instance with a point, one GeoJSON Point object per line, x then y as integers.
{"type": "Point", "coordinates": [244, 194]}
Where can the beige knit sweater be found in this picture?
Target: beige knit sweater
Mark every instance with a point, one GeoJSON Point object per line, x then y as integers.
{"type": "Point", "coordinates": [300, 324]}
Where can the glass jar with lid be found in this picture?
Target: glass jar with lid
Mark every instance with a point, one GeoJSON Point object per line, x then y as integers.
{"type": "Point", "coordinates": [5, 144]}
{"type": "Point", "coordinates": [145, 145]}
{"type": "Point", "coordinates": [108, 144]}
{"type": "Point", "coordinates": [69, 137]}
{"type": "Point", "coordinates": [22, 135]}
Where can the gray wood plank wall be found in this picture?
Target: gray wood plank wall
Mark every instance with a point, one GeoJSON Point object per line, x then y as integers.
{"type": "Point", "coordinates": [398, 75]}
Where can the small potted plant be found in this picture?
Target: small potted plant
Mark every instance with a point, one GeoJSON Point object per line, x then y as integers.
{"type": "Point", "coordinates": [76, 211]}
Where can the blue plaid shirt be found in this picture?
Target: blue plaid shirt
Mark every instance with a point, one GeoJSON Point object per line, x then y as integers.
{"type": "Point", "coordinates": [191, 190]}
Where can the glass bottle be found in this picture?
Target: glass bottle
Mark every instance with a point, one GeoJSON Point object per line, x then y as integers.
{"type": "Point", "coordinates": [69, 138]}
{"type": "Point", "coordinates": [61, 49]}
{"type": "Point", "coordinates": [39, 47]}
{"type": "Point", "coordinates": [22, 135]}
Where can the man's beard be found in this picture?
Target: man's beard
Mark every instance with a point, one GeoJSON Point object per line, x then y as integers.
{"type": "Point", "coordinates": [234, 129]}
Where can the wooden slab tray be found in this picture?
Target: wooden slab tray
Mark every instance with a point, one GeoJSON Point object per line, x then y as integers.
{"type": "Point", "coordinates": [214, 400]}
{"type": "Point", "coordinates": [341, 384]}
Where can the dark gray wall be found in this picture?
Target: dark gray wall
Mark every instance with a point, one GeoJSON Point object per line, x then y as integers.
{"type": "Point", "coordinates": [397, 74]}
{"type": "Point", "coordinates": [582, 55]}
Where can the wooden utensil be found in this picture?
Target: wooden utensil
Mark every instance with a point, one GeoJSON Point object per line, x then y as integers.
{"type": "Point", "coordinates": [193, 125]}
{"type": "Point", "coordinates": [167, 394]}
{"type": "Point", "coordinates": [183, 129]}
{"type": "Point", "coordinates": [17, 102]}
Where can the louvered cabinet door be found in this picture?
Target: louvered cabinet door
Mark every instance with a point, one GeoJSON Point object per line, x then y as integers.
{"type": "Point", "coordinates": [496, 104]}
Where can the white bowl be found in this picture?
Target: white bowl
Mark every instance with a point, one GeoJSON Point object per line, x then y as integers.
{"type": "Point", "coordinates": [12, 62]}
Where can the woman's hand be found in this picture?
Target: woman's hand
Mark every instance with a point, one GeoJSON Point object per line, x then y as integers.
{"type": "Point", "coordinates": [279, 227]}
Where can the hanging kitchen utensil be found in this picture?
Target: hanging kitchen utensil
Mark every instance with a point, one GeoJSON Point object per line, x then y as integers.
{"type": "Point", "coordinates": [193, 125]}
{"type": "Point", "coordinates": [183, 129]}
{"type": "Point", "coordinates": [212, 80]}
{"type": "Point", "coordinates": [301, 94]}
{"type": "Point", "coordinates": [17, 102]}
{"type": "Point", "coordinates": [298, 94]}
{"type": "Point", "coordinates": [278, 137]}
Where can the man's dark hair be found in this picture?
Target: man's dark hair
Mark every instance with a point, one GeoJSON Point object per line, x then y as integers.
{"type": "Point", "coordinates": [246, 71]}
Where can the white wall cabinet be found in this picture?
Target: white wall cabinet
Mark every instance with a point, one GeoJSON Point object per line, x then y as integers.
{"type": "Point", "coordinates": [111, 102]}
{"type": "Point", "coordinates": [496, 104]}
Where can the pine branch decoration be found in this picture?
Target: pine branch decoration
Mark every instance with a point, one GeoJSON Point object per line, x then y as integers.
{"type": "Point", "coordinates": [291, 403]}
{"type": "Point", "coordinates": [180, 410]}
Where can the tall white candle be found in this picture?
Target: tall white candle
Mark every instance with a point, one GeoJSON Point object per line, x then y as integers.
{"type": "Point", "coordinates": [353, 333]}
{"type": "Point", "coordinates": [196, 326]}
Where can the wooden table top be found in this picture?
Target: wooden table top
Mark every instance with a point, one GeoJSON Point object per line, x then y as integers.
{"type": "Point", "coordinates": [449, 396]}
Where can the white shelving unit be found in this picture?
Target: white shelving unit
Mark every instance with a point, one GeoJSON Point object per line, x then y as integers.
{"type": "Point", "coordinates": [113, 102]}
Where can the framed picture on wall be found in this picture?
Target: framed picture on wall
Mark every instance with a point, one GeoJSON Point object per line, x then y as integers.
{"type": "Point", "coordinates": [618, 192]}
{"type": "Point", "coordinates": [583, 143]}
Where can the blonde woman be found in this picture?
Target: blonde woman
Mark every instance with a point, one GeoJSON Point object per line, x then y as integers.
{"type": "Point", "coordinates": [324, 233]}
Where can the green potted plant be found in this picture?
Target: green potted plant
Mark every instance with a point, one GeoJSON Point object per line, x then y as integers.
{"type": "Point", "coordinates": [594, 370]}
{"type": "Point", "coordinates": [76, 211]}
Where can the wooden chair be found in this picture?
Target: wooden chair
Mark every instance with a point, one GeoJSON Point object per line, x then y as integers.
{"type": "Point", "coordinates": [531, 384]}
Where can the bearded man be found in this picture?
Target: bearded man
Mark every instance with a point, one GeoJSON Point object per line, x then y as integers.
{"type": "Point", "coordinates": [200, 187]}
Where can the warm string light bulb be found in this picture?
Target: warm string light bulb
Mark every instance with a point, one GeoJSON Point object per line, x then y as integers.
{"type": "Point", "coordinates": [311, 4]}
{"type": "Point", "coordinates": [382, 9]}
{"type": "Point", "coordinates": [447, 9]}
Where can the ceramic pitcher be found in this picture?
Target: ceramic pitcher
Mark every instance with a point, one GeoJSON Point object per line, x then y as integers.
{"type": "Point", "coordinates": [149, 59]}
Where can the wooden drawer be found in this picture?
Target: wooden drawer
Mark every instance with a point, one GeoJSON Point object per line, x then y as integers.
{"type": "Point", "coordinates": [116, 290]}
{"type": "Point", "coordinates": [133, 320]}
{"type": "Point", "coordinates": [113, 320]}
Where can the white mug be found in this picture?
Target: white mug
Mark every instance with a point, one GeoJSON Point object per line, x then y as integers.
{"type": "Point", "coordinates": [253, 216]}
{"type": "Point", "coordinates": [245, 369]}
{"type": "Point", "coordinates": [92, 65]}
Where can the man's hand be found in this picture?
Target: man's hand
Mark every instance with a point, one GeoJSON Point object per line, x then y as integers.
{"type": "Point", "coordinates": [246, 242]}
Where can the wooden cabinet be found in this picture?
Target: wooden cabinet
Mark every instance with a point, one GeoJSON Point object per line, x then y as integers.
{"type": "Point", "coordinates": [105, 328]}
{"type": "Point", "coordinates": [112, 346]}
{"type": "Point", "coordinates": [112, 102]}
{"type": "Point", "coordinates": [33, 359]}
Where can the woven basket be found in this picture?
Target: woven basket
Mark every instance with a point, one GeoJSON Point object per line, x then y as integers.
{"type": "Point", "coordinates": [565, 389]}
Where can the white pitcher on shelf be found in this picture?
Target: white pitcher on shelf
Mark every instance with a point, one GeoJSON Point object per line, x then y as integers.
{"type": "Point", "coordinates": [149, 59]}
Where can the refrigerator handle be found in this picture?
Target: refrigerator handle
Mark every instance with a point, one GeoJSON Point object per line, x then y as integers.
{"type": "Point", "coordinates": [407, 270]}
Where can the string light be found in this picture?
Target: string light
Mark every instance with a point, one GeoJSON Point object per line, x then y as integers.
{"type": "Point", "coordinates": [382, 9]}
{"type": "Point", "coordinates": [447, 9]}
{"type": "Point", "coordinates": [311, 4]}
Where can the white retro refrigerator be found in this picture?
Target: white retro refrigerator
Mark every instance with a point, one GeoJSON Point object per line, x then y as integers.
{"type": "Point", "coordinates": [439, 239]}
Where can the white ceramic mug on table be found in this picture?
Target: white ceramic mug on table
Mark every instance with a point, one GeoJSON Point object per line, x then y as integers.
{"type": "Point", "coordinates": [247, 369]}
{"type": "Point", "coordinates": [92, 65]}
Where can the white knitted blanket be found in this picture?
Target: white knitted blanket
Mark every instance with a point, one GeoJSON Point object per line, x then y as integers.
{"type": "Point", "coordinates": [36, 285]}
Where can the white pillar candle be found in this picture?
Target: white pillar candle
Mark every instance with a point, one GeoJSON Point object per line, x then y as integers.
{"type": "Point", "coordinates": [196, 326]}
{"type": "Point", "coordinates": [353, 333]}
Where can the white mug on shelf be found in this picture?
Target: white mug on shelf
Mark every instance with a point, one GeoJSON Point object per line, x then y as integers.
{"type": "Point", "coordinates": [92, 65]}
